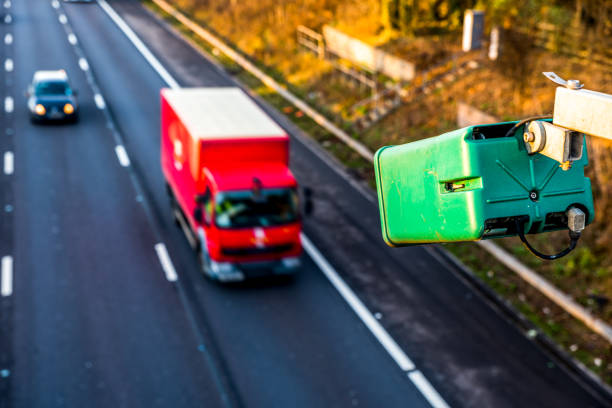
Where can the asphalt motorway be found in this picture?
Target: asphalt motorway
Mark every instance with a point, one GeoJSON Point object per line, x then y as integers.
{"type": "Point", "coordinates": [94, 320]}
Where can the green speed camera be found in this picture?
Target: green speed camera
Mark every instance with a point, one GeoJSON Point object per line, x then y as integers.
{"type": "Point", "coordinates": [475, 183]}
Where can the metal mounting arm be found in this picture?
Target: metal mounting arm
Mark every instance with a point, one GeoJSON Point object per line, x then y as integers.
{"type": "Point", "coordinates": [581, 110]}
{"type": "Point", "coordinates": [577, 112]}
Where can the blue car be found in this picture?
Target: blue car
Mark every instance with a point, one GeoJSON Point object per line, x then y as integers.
{"type": "Point", "coordinates": [50, 97]}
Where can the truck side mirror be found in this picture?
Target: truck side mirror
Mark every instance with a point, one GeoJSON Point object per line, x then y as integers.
{"type": "Point", "coordinates": [308, 204]}
{"type": "Point", "coordinates": [198, 214]}
{"type": "Point", "coordinates": [474, 183]}
{"type": "Point", "coordinates": [202, 198]}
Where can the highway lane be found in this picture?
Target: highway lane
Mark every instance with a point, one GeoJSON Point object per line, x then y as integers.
{"type": "Point", "coordinates": [463, 345]}
{"type": "Point", "coordinates": [95, 323]}
{"type": "Point", "coordinates": [283, 344]}
{"type": "Point", "coordinates": [297, 344]}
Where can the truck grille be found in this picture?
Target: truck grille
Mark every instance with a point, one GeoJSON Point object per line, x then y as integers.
{"type": "Point", "coordinates": [245, 251]}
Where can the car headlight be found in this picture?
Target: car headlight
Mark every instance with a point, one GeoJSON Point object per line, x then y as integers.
{"type": "Point", "coordinates": [68, 109]}
{"type": "Point", "coordinates": [40, 109]}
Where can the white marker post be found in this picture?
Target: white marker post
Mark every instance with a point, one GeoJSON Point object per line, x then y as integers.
{"type": "Point", "coordinates": [494, 44]}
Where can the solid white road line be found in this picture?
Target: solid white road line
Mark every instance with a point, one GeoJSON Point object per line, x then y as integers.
{"type": "Point", "coordinates": [8, 19]}
{"type": "Point", "coordinates": [9, 105]}
{"type": "Point", "coordinates": [358, 307]}
{"type": "Point", "coordinates": [122, 155]}
{"type": "Point", "coordinates": [139, 45]}
{"type": "Point", "coordinates": [429, 392]}
{"type": "Point", "coordinates": [99, 101]}
{"type": "Point", "coordinates": [9, 163]}
{"type": "Point", "coordinates": [8, 38]}
{"type": "Point", "coordinates": [349, 296]}
{"type": "Point", "coordinates": [72, 39]}
{"type": "Point", "coordinates": [417, 378]}
{"type": "Point", "coordinates": [166, 263]}
{"type": "Point", "coordinates": [62, 18]}
{"type": "Point", "coordinates": [83, 64]}
{"type": "Point", "coordinates": [6, 288]}
{"type": "Point", "coordinates": [8, 65]}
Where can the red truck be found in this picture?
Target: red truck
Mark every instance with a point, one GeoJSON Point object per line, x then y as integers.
{"type": "Point", "coordinates": [226, 165]}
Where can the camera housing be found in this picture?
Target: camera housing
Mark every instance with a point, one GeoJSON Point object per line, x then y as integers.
{"type": "Point", "coordinates": [473, 183]}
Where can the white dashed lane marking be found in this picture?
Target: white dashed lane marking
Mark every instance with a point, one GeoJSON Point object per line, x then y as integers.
{"type": "Point", "coordinates": [9, 163]}
{"type": "Point", "coordinates": [72, 39]}
{"type": "Point", "coordinates": [9, 105]}
{"type": "Point", "coordinates": [83, 64]}
{"type": "Point", "coordinates": [62, 19]}
{"type": "Point", "coordinates": [164, 259]}
{"type": "Point", "coordinates": [8, 65]}
{"type": "Point", "coordinates": [6, 288]}
{"type": "Point", "coordinates": [99, 101]}
{"type": "Point", "coordinates": [8, 39]}
{"type": "Point", "coordinates": [8, 19]}
{"type": "Point", "coordinates": [122, 155]}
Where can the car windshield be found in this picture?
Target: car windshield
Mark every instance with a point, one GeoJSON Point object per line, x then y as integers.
{"type": "Point", "coordinates": [243, 209]}
{"type": "Point", "coordinates": [52, 88]}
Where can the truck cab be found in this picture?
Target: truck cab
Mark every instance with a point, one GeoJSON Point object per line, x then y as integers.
{"type": "Point", "coordinates": [249, 225]}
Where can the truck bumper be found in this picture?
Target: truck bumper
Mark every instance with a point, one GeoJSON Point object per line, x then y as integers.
{"type": "Point", "coordinates": [233, 272]}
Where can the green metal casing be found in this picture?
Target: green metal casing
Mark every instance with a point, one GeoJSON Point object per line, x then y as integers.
{"type": "Point", "coordinates": [468, 185]}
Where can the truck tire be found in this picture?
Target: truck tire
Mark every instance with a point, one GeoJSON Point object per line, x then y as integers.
{"type": "Point", "coordinates": [173, 205]}
{"type": "Point", "coordinates": [173, 209]}
{"type": "Point", "coordinates": [204, 262]}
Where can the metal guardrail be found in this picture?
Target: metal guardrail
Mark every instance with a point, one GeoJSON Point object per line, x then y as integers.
{"type": "Point", "coordinates": [546, 288]}
{"type": "Point", "coordinates": [311, 40]}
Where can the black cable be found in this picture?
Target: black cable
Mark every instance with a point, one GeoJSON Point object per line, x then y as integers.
{"type": "Point", "coordinates": [574, 237]}
{"type": "Point", "coordinates": [522, 122]}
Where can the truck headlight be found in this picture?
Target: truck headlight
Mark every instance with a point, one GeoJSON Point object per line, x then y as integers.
{"type": "Point", "coordinates": [291, 262]}
{"type": "Point", "coordinates": [68, 109]}
{"type": "Point", "coordinates": [226, 272]}
{"type": "Point", "coordinates": [40, 110]}
{"type": "Point", "coordinates": [221, 267]}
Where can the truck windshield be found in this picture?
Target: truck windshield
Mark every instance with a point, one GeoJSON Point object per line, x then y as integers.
{"type": "Point", "coordinates": [52, 88]}
{"type": "Point", "coordinates": [243, 209]}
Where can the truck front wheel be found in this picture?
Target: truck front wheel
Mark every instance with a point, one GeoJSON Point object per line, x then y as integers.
{"type": "Point", "coordinates": [174, 208]}
{"type": "Point", "coordinates": [204, 262]}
